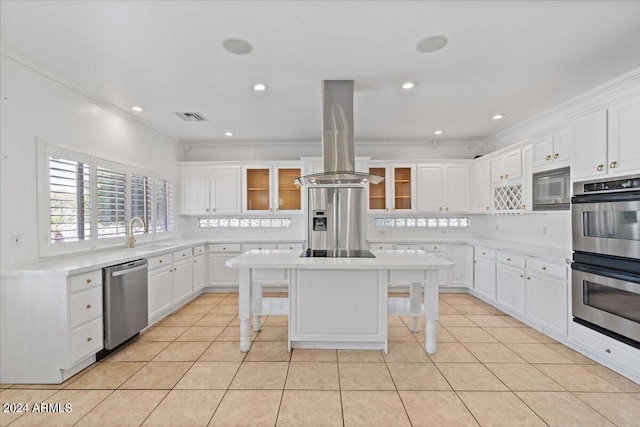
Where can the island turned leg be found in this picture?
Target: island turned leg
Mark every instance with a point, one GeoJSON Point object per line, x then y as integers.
{"type": "Point", "coordinates": [431, 308]}
{"type": "Point", "coordinates": [244, 309]}
{"type": "Point", "coordinates": [414, 303]}
{"type": "Point", "coordinates": [256, 305]}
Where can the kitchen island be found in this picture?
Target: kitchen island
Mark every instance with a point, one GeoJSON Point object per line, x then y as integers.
{"type": "Point", "coordinates": [339, 303]}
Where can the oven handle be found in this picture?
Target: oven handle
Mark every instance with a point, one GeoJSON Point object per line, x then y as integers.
{"type": "Point", "coordinates": [627, 196]}
{"type": "Point", "coordinates": [605, 272]}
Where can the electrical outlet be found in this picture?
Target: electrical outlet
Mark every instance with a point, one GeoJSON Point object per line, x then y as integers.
{"type": "Point", "coordinates": [16, 240]}
{"type": "Point", "coordinates": [497, 226]}
{"type": "Point", "coordinates": [545, 231]}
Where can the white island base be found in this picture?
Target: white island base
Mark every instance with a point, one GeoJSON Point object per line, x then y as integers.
{"type": "Point", "coordinates": [340, 303]}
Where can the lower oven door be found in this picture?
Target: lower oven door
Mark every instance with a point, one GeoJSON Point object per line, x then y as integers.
{"type": "Point", "coordinates": [609, 299]}
{"type": "Point", "coordinates": [607, 224]}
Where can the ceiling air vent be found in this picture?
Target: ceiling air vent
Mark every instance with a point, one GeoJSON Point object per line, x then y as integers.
{"type": "Point", "coordinates": [192, 117]}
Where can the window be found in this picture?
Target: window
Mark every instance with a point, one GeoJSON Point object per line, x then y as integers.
{"type": "Point", "coordinates": [112, 207]}
{"type": "Point", "coordinates": [69, 200]}
{"type": "Point", "coordinates": [86, 201]}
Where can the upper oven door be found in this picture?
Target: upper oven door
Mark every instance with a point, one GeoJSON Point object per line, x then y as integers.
{"type": "Point", "coordinates": [607, 224]}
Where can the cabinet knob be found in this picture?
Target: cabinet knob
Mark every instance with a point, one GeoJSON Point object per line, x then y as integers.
{"type": "Point", "coordinates": [506, 177]}
{"type": "Point", "coordinates": [184, 254]}
{"type": "Point", "coordinates": [528, 278]}
{"type": "Point", "coordinates": [89, 339]}
{"type": "Point", "coordinates": [89, 280]}
{"type": "Point", "coordinates": [524, 206]}
{"type": "Point", "coordinates": [522, 275]}
{"type": "Point", "coordinates": [613, 165]}
{"type": "Point", "coordinates": [160, 261]}
{"type": "Point", "coordinates": [555, 156]}
{"type": "Point", "coordinates": [501, 176]}
{"type": "Point", "coordinates": [608, 351]}
{"type": "Point", "coordinates": [544, 268]}
{"type": "Point", "coordinates": [89, 306]}
{"type": "Point", "coordinates": [484, 253]}
{"type": "Point", "coordinates": [446, 209]}
{"type": "Point", "coordinates": [195, 262]}
{"type": "Point", "coordinates": [440, 207]}
{"type": "Point", "coordinates": [435, 247]}
{"type": "Point", "coordinates": [207, 209]}
{"type": "Point", "coordinates": [487, 207]}
{"type": "Point", "coordinates": [509, 259]}
{"type": "Point", "coordinates": [600, 167]}
{"type": "Point", "coordinates": [549, 157]}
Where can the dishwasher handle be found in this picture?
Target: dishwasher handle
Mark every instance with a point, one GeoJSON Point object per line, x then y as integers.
{"type": "Point", "coordinates": [128, 270]}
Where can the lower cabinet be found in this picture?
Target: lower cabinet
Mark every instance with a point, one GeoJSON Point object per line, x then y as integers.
{"type": "Point", "coordinates": [461, 274]}
{"type": "Point", "coordinates": [182, 281]}
{"type": "Point", "coordinates": [199, 269]}
{"type": "Point", "coordinates": [221, 276]}
{"type": "Point", "coordinates": [485, 273]}
{"type": "Point", "coordinates": [510, 282]}
{"type": "Point", "coordinates": [547, 295]}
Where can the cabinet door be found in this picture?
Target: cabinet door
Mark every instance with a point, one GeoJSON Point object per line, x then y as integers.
{"type": "Point", "coordinates": [543, 151]}
{"type": "Point", "coordinates": [225, 190]}
{"type": "Point", "coordinates": [624, 137]}
{"type": "Point", "coordinates": [589, 145]}
{"type": "Point", "coordinates": [513, 164]}
{"type": "Point", "coordinates": [547, 303]}
{"type": "Point", "coordinates": [257, 189]}
{"type": "Point", "coordinates": [485, 278]}
{"type": "Point", "coordinates": [221, 275]}
{"type": "Point", "coordinates": [160, 294]}
{"type": "Point", "coordinates": [429, 185]}
{"type": "Point", "coordinates": [378, 192]}
{"type": "Point", "coordinates": [194, 197]}
{"type": "Point", "coordinates": [289, 194]}
{"type": "Point", "coordinates": [511, 288]}
{"type": "Point", "coordinates": [198, 273]}
{"type": "Point", "coordinates": [403, 184]}
{"type": "Point", "coordinates": [456, 188]}
{"type": "Point", "coordinates": [562, 145]}
{"type": "Point", "coordinates": [442, 251]}
{"type": "Point", "coordinates": [461, 274]}
{"type": "Point", "coordinates": [497, 169]}
{"type": "Point", "coordinates": [482, 186]}
{"type": "Point", "coordinates": [182, 280]}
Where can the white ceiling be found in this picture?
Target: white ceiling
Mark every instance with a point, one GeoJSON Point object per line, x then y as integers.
{"type": "Point", "coordinates": [515, 57]}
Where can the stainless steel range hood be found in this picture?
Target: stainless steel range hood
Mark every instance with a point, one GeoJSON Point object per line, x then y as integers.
{"type": "Point", "coordinates": [338, 153]}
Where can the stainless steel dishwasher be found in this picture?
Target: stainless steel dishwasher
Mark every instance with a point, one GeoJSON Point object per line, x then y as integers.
{"type": "Point", "coordinates": [125, 301]}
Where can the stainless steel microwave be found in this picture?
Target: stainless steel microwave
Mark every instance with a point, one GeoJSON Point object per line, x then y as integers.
{"type": "Point", "coordinates": [551, 190]}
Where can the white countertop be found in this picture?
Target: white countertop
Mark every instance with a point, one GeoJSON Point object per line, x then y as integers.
{"type": "Point", "coordinates": [384, 260]}
{"type": "Point", "coordinates": [537, 251]}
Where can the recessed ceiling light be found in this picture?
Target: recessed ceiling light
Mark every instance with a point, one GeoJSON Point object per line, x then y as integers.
{"type": "Point", "coordinates": [137, 109]}
{"type": "Point", "coordinates": [228, 134]}
{"type": "Point", "coordinates": [438, 132]}
{"type": "Point", "coordinates": [237, 46]}
{"type": "Point", "coordinates": [259, 87]}
{"type": "Point", "coordinates": [499, 116]}
{"type": "Point", "coordinates": [408, 85]}
{"type": "Point", "coordinates": [432, 44]}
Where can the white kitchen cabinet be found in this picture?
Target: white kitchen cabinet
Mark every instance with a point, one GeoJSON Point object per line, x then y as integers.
{"type": "Point", "coordinates": [552, 150]}
{"type": "Point", "coordinates": [209, 189]}
{"type": "Point", "coordinates": [461, 274]}
{"type": "Point", "coordinates": [160, 290]}
{"type": "Point", "coordinates": [443, 188]}
{"type": "Point", "coordinates": [221, 276]}
{"type": "Point", "coordinates": [182, 280]}
{"type": "Point", "coordinates": [481, 201]}
{"type": "Point", "coordinates": [607, 141]}
{"type": "Point", "coordinates": [397, 193]}
{"type": "Point", "coordinates": [506, 166]}
{"type": "Point", "coordinates": [510, 282]}
{"type": "Point", "coordinates": [441, 250]}
{"type": "Point", "coordinates": [51, 326]}
{"type": "Point", "coordinates": [485, 273]}
{"type": "Point", "coordinates": [271, 188]}
{"type": "Point", "coordinates": [198, 273]}
{"type": "Point", "coordinates": [527, 179]}
{"type": "Point", "coordinates": [547, 291]}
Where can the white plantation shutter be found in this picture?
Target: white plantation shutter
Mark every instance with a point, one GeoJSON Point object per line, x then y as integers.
{"type": "Point", "coordinates": [163, 220]}
{"type": "Point", "coordinates": [111, 198]}
{"type": "Point", "coordinates": [69, 200]}
{"type": "Point", "coordinates": [142, 201]}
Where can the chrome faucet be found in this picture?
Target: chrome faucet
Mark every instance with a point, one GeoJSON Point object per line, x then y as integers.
{"type": "Point", "coordinates": [132, 240]}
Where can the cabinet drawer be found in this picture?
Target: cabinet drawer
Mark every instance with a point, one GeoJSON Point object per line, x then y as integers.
{"type": "Point", "coordinates": [223, 247]}
{"type": "Point", "coordinates": [540, 266]}
{"type": "Point", "coordinates": [159, 261]}
{"type": "Point", "coordinates": [198, 250]}
{"type": "Point", "coordinates": [408, 247]}
{"type": "Point", "coordinates": [435, 247]}
{"type": "Point", "coordinates": [290, 246]}
{"type": "Point", "coordinates": [183, 254]}
{"type": "Point", "coordinates": [606, 347]}
{"type": "Point", "coordinates": [85, 281]}
{"type": "Point", "coordinates": [510, 259]}
{"type": "Point", "coordinates": [484, 252]}
{"type": "Point", "coordinates": [85, 306]}
{"type": "Point", "coordinates": [381, 246]}
{"type": "Point", "coordinates": [86, 340]}
{"type": "Point", "coordinates": [258, 246]}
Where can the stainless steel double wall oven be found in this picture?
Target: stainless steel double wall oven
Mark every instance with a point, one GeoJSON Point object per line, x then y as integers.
{"type": "Point", "coordinates": [605, 217]}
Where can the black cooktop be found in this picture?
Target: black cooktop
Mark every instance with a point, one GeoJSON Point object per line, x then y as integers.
{"type": "Point", "coordinates": [317, 253]}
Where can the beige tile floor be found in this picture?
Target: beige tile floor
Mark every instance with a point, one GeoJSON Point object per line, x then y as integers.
{"type": "Point", "coordinates": [490, 370]}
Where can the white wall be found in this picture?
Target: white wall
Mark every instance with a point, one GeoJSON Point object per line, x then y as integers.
{"type": "Point", "coordinates": [527, 228]}
{"type": "Point", "coordinates": [34, 106]}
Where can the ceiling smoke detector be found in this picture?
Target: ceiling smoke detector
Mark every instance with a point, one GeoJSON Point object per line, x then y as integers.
{"type": "Point", "coordinates": [192, 117]}
{"type": "Point", "coordinates": [431, 44]}
{"type": "Point", "coordinates": [237, 46]}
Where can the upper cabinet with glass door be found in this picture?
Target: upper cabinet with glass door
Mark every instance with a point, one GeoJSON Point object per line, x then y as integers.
{"type": "Point", "coordinates": [397, 192]}
{"type": "Point", "coordinates": [272, 188]}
